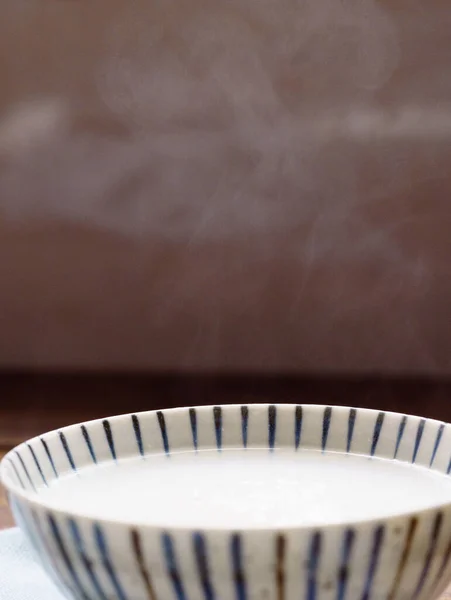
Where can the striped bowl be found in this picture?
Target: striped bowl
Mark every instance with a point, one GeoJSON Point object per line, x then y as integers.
{"type": "Point", "coordinates": [404, 556]}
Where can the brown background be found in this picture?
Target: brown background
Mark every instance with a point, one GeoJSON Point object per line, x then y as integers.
{"type": "Point", "coordinates": [353, 277]}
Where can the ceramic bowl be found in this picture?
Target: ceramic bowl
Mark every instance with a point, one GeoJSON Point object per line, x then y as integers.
{"type": "Point", "coordinates": [404, 554]}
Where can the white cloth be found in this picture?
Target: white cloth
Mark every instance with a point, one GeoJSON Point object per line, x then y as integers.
{"type": "Point", "coordinates": [21, 578]}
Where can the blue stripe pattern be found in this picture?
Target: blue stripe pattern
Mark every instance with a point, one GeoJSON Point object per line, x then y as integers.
{"type": "Point", "coordinates": [138, 436]}
{"type": "Point", "coordinates": [87, 563]}
{"type": "Point", "coordinates": [435, 532]}
{"type": "Point", "coordinates": [401, 428]}
{"type": "Point", "coordinates": [193, 422]}
{"type": "Point", "coordinates": [272, 426]}
{"type": "Point", "coordinates": [45, 552]}
{"type": "Point", "coordinates": [69, 551]}
{"type": "Point", "coordinates": [217, 420]}
{"type": "Point", "coordinates": [297, 426]}
{"type": "Point", "coordinates": [326, 426]}
{"type": "Point", "coordinates": [87, 439]}
{"type": "Point", "coordinates": [49, 456]}
{"type": "Point", "coordinates": [346, 554]}
{"type": "Point", "coordinates": [103, 550]}
{"type": "Point", "coordinates": [244, 424]}
{"type": "Point", "coordinates": [65, 557]}
{"type": "Point", "coordinates": [25, 522]}
{"type": "Point", "coordinates": [312, 566]}
{"type": "Point", "coordinates": [351, 424]}
{"type": "Point", "coordinates": [200, 552]}
{"type": "Point", "coordinates": [163, 430]}
{"type": "Point", "coordinates": [378, 537]}
{"type": "Point", "coordinates": [418, 437]}
{"type": "Point", "coordinates": [43, 542]}
{"type": "Point", "coordinates": [172, 566]}
{"type": "Point", "coordinates": [27, 474]}
{"type": "Point", "coordinates": [239, 578]}
{"type": "Point", "coordinates": [377, 431]}
{"type": "Point", "coordinates": [438, 439]}
{"type": "Point", "coordinates": [16, 472]}
{"type": "Point", "coordinates": [67, 451]}
{"type": "Point", "coordinates": [109, 438]}
{"type": "Point", "coordinates": [38, 465]}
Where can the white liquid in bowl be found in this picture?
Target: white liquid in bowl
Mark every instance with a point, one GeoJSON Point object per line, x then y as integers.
{"type": "Point", "coordinates": [249, 488]}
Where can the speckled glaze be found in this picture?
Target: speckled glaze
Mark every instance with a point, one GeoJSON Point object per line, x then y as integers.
{"type": "Point", "coordinates": [404, 556]}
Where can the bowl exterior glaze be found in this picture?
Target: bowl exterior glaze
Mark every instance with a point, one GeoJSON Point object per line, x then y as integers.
{"type": "Point", "coordinates": [402, 557]}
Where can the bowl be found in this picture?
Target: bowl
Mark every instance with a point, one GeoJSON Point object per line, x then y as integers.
{"type": "Point", "coordinates": [254, 502]}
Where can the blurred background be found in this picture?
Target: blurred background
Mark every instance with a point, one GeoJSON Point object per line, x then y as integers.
{"type": "Point", "coordinates": [212, 203]}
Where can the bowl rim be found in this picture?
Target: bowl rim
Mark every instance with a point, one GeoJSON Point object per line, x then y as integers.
{"type": "Point", "coordinates": [32, 499]}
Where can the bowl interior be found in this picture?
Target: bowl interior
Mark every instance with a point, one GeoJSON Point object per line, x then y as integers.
{"type": "Point", "coordinates": [245, 456]}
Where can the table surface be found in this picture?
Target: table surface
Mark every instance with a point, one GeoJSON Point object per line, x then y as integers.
{"type": "Point", "coordinates": [32, 404]}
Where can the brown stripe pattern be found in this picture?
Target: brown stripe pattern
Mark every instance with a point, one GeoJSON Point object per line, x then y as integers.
{"type": "Point", "coordinates": [139, 556]}
{"type": "Point", "coordinates": [280, 566]}
{"type": "Point", "coordinates": [413, 524]}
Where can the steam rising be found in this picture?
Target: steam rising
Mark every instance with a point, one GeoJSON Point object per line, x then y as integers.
{"type": "Point", "coordinates": [218, 121]}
